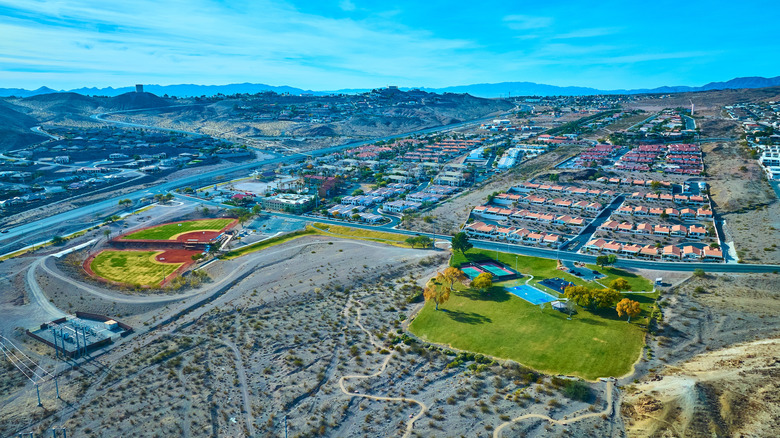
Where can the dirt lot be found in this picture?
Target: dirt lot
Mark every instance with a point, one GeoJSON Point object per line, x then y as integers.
{"type": "Point", "coordinates": [745, 200]}
{"type": "Point", "coordinates": [698, 376]}
{"type": "Point", "coordinates": [729, 392]}
{"type": "Point", "coordinates": [288, 338]}
{"type": "Point", "coordinates": [451, 214]}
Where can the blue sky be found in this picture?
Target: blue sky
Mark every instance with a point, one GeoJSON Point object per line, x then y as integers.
{"type": "Point", "coordinates": [335, 44]}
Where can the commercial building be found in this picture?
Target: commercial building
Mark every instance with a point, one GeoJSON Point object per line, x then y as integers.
{"type": "Point", "coordinates": [289, 202]}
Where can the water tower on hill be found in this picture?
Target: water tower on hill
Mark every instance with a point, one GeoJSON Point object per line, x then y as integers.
{"type": "Point", "coordinates": [139, 88]}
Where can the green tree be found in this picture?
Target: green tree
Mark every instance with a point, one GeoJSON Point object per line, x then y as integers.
{"type": "Point", "coordinates": [604, 298]}
{"type": "Point", "coordinates": [580, 295]}
{"type": "Point", "coordinates": [602, 260]}
{"type": "Point", "coordinates": [460, 242]}
{"type": "Point", "coordinates": [424, 241]}
{"type": "Point", "coordinates": [620, 284]}
{"type": "Point", "coordinates": [483, 282]}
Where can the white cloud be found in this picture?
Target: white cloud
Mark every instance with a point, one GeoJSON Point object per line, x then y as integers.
{"type": "Point", "coordinates": [526, 22]}
{"type": "Point", "coordinates": [347, 5]}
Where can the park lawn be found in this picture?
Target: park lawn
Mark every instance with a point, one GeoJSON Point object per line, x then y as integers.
{"type": "Point", "coordinates": [168, 231]}
{"type": "Point", "coordinates": [637, 282]}
{"type": "Point", "coordinates": [132, 267]}
{"type": "Point", "coordinates": [547, 268]}
{"type": "Point", "coordinates": [362, 234]}
{"type": "Point", "coordinates": [504, 326]}
{"type": "Point", "coordinates": [267, 243]}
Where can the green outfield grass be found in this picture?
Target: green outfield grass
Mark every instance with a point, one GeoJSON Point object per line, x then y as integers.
{"type": "Point", "coordinates": [132, 267]}
{"type": "Point", "coordinates": [168, 231]}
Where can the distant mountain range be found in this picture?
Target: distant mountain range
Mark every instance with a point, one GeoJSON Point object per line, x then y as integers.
{"type": "Point", "coordinates": [502, 89]}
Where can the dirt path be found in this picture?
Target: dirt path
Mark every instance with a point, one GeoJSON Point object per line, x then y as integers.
{"type": "Point", "coordinates": [241, 371]}
{"type": "Point", "coordinates": [607, 411]}
{"type": "Point", "coordinates": [423, 407]}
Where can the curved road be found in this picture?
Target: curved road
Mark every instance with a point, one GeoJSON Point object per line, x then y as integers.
{"type": "Point", "coordinates": [562, 255]}
{"type": "Point", "coordinates": [90, 210]}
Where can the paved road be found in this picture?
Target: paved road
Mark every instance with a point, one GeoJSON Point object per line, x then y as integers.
{"type": "Point", "coordinates": [194, 180]}
{"type": "Point", "coordinates": [565, 255]}
{"type": "Point", "coordinates": [585, 235]}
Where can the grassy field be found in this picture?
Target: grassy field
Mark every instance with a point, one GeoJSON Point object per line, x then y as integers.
{"type": "Point", "coordinates": [168, 231]}
{"type": "Point", "coordinates": [502, 325]}
{"type": "Point", "coordinates": [591, 345]}
{"type": "Point", "coordinates": [362, 234]}
{"type": "Point", "coordinates": [132, 267]}
{"type": "Point", "coordinates": [263, 244]}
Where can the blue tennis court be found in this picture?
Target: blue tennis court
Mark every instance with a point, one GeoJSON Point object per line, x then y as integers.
{"type": "Point", "coordinates": [531, 294]}
{"type": "Point", "coordinates": [472, 272]}
{"type": "Point", "coordinates": [495, 270]}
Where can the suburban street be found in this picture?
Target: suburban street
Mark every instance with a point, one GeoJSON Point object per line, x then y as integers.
{"type": "Point", "coordinates": [86, 215]}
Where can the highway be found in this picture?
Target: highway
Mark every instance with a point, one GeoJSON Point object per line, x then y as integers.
{"type": "Point", "coordinates": [89, 211]}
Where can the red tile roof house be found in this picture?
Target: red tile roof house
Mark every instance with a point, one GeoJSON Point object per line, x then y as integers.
{"type": "Point", "coordinates": [655, 211]}
{"type": "Point", "coordinates": [613, 247]}
{"type": "Point", "coordinates": [687, 213]}
{"type": "Point", "coordinates": [649, 251]}
{"type": "Point", "coordinates": [696, 231]}
{"type": "Point", "coordinates": [672, 252]}
{"type": "Point", "coordinates": [580, 204]}
{"type": "Point", "coordinates": [644, 229]}
{"type": "Point", "coordinates": [625, 209]}
{"type": "Point", "coordinates": [534, 237]}
{"type": "Point", "coordinates": [594, 206]}
{"type": "Point", "coordinates": [518, 235]}
{"type": "Point", "coordinates": [712, 254]}
{"type": "Point", "coordinates": [702, 213]}
{"type": "Point", "coordinates": [563, 203]}
{"type": "Point", "coordinates": [480, 229]}
{"type": "Point", "coordinates": [626, 227]}
{"type": "Point", "coordinates": [551, 238]}
{"type": "Point", "coordinates": [691, 252]}
{"type": "Point", "coordinates": [609, 225]}
{"type": "Point", "coordinates": [577, 222]}
{"type": "Point", "coordinates": [596, 244]}
{"type": "Point", "coordinates": [679, 230]}
{"type": "Point", "coordinates": [696, 199]}
{"type": "Point", "coordinates": [666, 197]}
{"type": "Point", "coordinates": [672, 212]}
{"type": "Point", "coordinates": [632, 249]}
{"type": "Point", "coordinates": [661, 230]}
{"type": "Point", "coordinates": [641, 210]}
{"type": "Point", "coordinates": [503, 232]}
{"type": "Point", "coordinates": [548, 217]}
